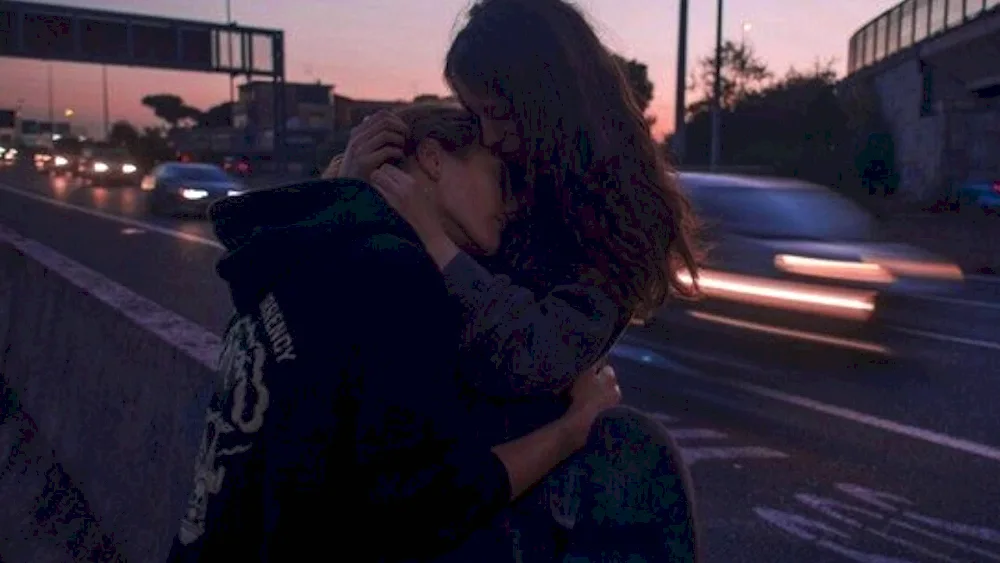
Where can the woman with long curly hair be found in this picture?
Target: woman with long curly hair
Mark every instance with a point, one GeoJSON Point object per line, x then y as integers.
{"type": "Point", "coordinates": [600, 235]}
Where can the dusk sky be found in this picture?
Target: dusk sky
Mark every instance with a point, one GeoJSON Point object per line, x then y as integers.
{"type": "Point", "coordinates": [393, 49]}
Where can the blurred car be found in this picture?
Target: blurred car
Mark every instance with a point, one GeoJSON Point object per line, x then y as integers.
{"type": "Point", "coordinates": [979, 194]}
{"type": "Point", "coordinates": [42, 160]}
{"type": "Point", "coordinates": [8, 156]}
{"type": "Point", "coordinates": [791, 259]}
{"type": "Point", "coordinates": [107, 166]}
{"type": "Point", "coordinates": [64, 163]}
{"type": "Point", "coordinates": [180, 187]}
{"type": "Point", "coordinates": [55, 162]}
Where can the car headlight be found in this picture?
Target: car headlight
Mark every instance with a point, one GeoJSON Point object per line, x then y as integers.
{"type": "Point", "coordinates": [188, 193]}
{"type": "Point", "coordinates": [234, 193]}
{"type": "Point", "coordinates": [100, 167]}
{"type": "Point", "coordinates": [129, 168]}
{"type": "Point", "coordinates": [61, 161]}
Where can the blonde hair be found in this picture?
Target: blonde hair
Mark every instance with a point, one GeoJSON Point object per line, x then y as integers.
{"type": "Point", "coordinates": [448, 123]}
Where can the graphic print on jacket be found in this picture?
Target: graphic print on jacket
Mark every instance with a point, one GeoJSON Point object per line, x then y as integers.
{"type": "Point", "coordinates": [237, 410]}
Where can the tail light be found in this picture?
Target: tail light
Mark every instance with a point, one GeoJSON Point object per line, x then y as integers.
{"type": "Point", "coordinates": [996, 187]}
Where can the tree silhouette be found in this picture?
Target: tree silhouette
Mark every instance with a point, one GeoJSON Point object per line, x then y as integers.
{"type": "Point", "coordinates": [427, 98]}
{"type": "Point", "coordinates": [637, 75]}
{"type": "Point", "coordinates": [123, 134]}
{"type": "Point", "coordinates": [217, 116]}
{"type": "Point", "coordinates": [743, 73]}
{"type": "Point", "coordinates": [171, 109]}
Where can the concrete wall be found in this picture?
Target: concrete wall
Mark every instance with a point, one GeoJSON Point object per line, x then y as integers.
{"type": "Point", "coordinates": [974, 138]}
{"type": "Point", "coordinates": [919, 139]}
{"type": "Point", "coordinates": [960, 138]}
{"type": "Point", "coordinates": [105, 394]}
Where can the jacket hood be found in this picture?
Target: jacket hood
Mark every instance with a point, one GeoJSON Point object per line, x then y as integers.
{"type": "Point", "coordinates": [265, 232]}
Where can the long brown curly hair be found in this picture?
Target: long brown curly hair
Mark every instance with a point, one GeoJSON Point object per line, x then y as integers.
{"type": "Point", "coordinates": [587, 144]}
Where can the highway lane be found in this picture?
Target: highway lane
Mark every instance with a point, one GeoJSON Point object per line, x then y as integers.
{"type": "Point", "coordinates": [799, 485]}
{"type": "Point", "coordinates": [760, 462]}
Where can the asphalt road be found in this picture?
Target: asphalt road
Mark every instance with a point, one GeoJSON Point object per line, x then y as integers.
{"type": "Point", "coordinates": [804, 458]}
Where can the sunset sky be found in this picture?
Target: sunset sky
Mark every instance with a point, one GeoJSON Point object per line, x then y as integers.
{"type": "Point", "coordinates": [393, 49]}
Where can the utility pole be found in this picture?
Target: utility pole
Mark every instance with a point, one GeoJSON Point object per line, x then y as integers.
{"type": "Point", "coordinates": [104, 100]}
{"type": "Point", "coordinates": [717, 93]}
{"type": "Point", "coordinates": [52, 106]}
{"type": "Point", "coordinates": [229, 40]}
{"type": "Point", "coordinates": [680, 98]}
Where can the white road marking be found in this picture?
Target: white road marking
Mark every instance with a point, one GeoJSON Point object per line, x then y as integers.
{"type": "Point", "coordinates": [663, 418]}
{"type": "Point", "coordinates": [952, 339]}
{"type": "Point", "coordinates": [961, 302]}
{"type": "Point", "coordinates": [989, 280]}
{"type": "Point", "coordinates": [644, 355]}
{"type": "Point", "coordinates": [132, 231]}
{"type": "Point", "coordinates": [695, 434]}
{"type": "Point", "coordinates": [694, 455]}
{"type": "Point", "coordinates": [950, 541]}
{"type": "Point", "coordinates": [789, 333]}
{"type": "Point", "coordinates": [886, 515]}
{"type": "Point", "coordinates": [985, 451]}
{"type": "Point", "coordinates": [112, 217]}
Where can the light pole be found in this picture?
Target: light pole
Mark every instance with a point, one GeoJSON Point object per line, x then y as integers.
{"type": "Point", "coordinates": [229, 41]}
{"type": "Point", "coordinates": [68, 113]}
{"type": "Point", "coordinates": [717, 92]}
{"type": "Point", "coordinates": [104, 104]}
{"type": "Point", "coordinates": [680, 101]}
{"type": "Point", "coordinates": [52, 105]}
{"type": "Point", "coordinates": [747, 26]}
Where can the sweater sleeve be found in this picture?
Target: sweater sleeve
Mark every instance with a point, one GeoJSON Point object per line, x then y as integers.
{"type": "Point", "coordinates": [534, 345]}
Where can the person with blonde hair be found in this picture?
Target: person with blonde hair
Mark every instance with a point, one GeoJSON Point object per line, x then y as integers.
{"type": "Point", "coordinates": [338, 424]}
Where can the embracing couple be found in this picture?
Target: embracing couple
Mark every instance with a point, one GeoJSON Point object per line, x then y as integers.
{"type": "Point", "coordinates": [416, 370]}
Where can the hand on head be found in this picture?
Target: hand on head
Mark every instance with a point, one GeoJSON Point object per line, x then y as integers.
{"type": "Point", "coordinates": [378, 140]}
{"type": "Point", "coordinates": [409, 199]}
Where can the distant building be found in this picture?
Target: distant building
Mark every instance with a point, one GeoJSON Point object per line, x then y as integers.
{"type": "Point", "coordinates": [312, 113]}
{"type": "Point", "coordinates": [35, 133]}
{"type": "Point", "coordinates": [350, 112]}
{"type": "Point", "coordinates": [8, 128]}
{"type": "Point", "coordinates": [307, 106]}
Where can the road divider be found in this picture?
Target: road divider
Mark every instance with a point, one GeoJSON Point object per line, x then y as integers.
{"type": "Point", "coordinates": [112, 389]}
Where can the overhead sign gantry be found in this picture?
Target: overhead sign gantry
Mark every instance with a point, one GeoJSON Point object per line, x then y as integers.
{"type": "Point", "coordinates": [64, 33]}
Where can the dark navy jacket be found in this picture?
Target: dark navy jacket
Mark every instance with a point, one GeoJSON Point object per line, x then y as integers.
{"type": "Point", "coordinates": [337, 428]}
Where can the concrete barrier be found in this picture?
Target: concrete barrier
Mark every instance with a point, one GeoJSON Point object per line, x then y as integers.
{"type": "Point", "coordinates": [103, 398]}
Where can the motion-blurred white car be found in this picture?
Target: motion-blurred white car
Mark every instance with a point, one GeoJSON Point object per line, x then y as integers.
{"type": "Point", "coordinates": [795, 260]}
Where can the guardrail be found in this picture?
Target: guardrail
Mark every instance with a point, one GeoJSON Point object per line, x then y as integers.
{"type": "Point", "coordinates": [909, 23]}
{"type": "Point", "coordinates": [104, 396]}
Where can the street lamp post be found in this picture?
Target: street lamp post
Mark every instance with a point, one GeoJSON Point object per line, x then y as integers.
{"type": "Point", "coordinates": [680, 102]}
{"type": "Point", "coordinates": [68, 113]}
{"type": "Point", "coordinates": [104, 100]}
{"type": "Point", "coordinates": [717, 92]}
{"type": "Point", "coordinates": [229, 41]}
{"type": "Point", "coordinates": [52, 105]}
